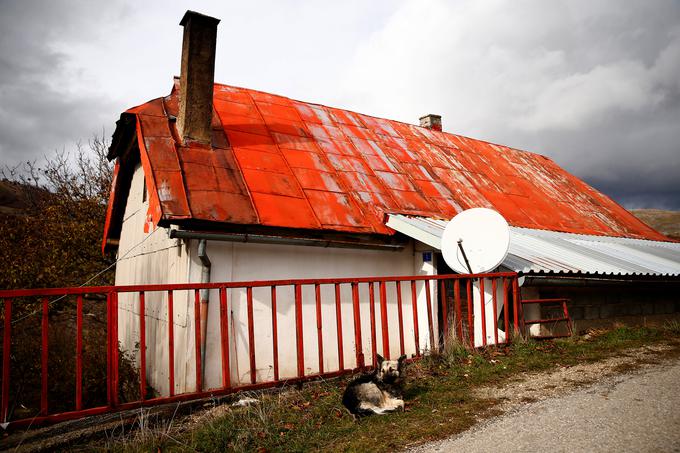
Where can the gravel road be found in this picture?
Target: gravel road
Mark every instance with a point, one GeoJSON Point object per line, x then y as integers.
{"type": "Point", "coordinates": [637, 412]}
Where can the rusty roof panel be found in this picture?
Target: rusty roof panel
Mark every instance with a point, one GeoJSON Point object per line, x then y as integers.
{"type": "Point", "coordinates": [291, 164]}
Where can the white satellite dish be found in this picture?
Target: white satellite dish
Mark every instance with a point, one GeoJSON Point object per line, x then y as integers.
{"type": "Point", "coordinates": [476, 241]}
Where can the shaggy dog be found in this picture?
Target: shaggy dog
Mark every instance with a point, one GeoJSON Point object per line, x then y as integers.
{"type": "Point", "coordinates": [378, 392]}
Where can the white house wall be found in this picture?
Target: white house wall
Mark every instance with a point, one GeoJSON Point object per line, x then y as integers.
{"type": "Point", "coordinates": [151, 257]}
{"type": "Point", "coordinates": [148, 256]}
{"type": "Point", "coordinates": [247, 262]}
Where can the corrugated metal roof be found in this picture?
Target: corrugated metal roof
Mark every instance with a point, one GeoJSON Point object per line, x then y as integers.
{"type": "Point", "coordinates": [541, 251]}
{"type": "Point", "coordinates": [279, 162]}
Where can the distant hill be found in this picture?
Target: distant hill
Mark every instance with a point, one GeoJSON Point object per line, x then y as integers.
{"type": "Point", "coordinates": [16, 198]}
{"type": "Point", "coordinates": [666, 222]}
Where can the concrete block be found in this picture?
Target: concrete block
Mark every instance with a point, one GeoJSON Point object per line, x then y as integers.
{"type": "Point", "coordinates": [607, 311]}
{"type": "Point", "coordinates": [633, 309]}
{"type": "Point", "coordinates": [576, 312]}
{"type": "Point", "coordinates": [591, 312]}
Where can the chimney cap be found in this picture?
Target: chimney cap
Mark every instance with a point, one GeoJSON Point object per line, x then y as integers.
{"type": "Point", "coordinates": [194, 15]}
{"type": "Point", "coordinates": [431, 121]}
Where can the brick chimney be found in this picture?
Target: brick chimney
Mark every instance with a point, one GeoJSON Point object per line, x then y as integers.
{"type": "Point", "coordinates": [197, 77]}
{"type": "Point", "coordinates": [431, 121]}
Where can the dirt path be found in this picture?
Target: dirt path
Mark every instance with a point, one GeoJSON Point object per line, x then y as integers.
{"type": "Point", "coordinates": [628, 403]}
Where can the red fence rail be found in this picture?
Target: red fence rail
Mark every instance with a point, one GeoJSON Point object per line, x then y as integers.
{"type": "Point", "coordinates": [451, 316]}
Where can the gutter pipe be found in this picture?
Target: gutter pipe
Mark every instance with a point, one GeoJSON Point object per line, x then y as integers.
{"type": "Point", "coordinates": [263, 239]}
{"type": "Point", "coordinates": [205, 297]}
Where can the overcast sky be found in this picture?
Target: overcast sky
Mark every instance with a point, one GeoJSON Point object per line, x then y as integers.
{"type": "Point", "coordinates": [593, 84]}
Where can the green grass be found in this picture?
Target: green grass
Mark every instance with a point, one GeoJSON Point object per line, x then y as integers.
{"type": "Point", "coordinates": [438, 397]}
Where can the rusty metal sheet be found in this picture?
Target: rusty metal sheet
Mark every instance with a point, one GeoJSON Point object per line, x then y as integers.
{"type": "Point", "coordinates": [291, 164]}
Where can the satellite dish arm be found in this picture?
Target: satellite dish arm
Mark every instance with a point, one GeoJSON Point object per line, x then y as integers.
{"type": "Point", "coordinates": [467, 263]}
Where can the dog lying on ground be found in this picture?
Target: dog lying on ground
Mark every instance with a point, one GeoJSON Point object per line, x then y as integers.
{"type": "Point", "coordinates": [378, 392]}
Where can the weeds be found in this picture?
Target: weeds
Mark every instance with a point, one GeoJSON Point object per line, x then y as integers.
{"type": "Point", "coordinates": [438, 395]}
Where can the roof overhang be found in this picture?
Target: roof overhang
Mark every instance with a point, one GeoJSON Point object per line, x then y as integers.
{"type": "Point", "coordinates": [543, 252]}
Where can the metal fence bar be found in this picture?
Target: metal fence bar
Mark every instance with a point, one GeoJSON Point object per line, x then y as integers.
{"type": "Point", "coordinates": [517, 306]}
{"type": "Point", "coordinates": [495, 310]}
{"type": "Point", "coordinates": [506, 315]}
{"type": "Point", "coordinates": [338, 324]}
{"type": "Point", "coordinates": [299, 332]}
{"type": "Point", "coordinates": [79, 352]}
{"type": "Point", "coordinates": [251, 333]}
{"type": "Point", "coordinates": [275, 334]}
{"type": "Point", "coordinates": [400, 316]}
{"type": "Point", "coordinates": [482, 304]}
{"type": "Point", "coordinates": [445, 318]}
{"type": "Point", "coordinates": [357, 326]}
{"type": "Point", "coordinates": [371, 311]}
{"type": "Point", "coordinates": [471, 325]}
{"type": "Point", "coordinates": [319, 333]}
{"type": "Point", "coordinates": [384, 327]}
{"type": "Point", "coordinates": [458, 310]}
{"type": "Point", "coordinates": [171, 343]}
{"type": "Point", "coordinates": [414, 306]}
{"type": "Point", "coordinates": [197, 339]}
{"type": "Point", "coordinates": [44, 355]}
{"type": "Point", "coordinates": [224, 338]}
{"type": "Point", "coordinates": [13, 293]}
{"type": "Point", "coordinates": [6, 346]}
{"type": "Point", "coordinates": [114, 350]}
{"type": "Point", "coordinates": [142, 346]}
{"type": "Point", "coordinates": [428, 298]}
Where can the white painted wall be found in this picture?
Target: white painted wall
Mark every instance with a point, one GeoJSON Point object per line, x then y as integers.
{"type": "Point", "coordinates": [148, 256]}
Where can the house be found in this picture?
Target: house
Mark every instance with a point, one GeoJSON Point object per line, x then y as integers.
{"type": "Point", "coordinates": [220, 183]}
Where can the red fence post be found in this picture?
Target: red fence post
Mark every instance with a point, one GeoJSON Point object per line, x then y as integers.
{"type": "Point", "coordinates": [516, 304]}
{"type": "Point", "coordinates": [495, 310]}
{"type": "Point", "coordinates": [428, 298]}
{"type": "Point", "coordinates": [319, 333]}
{"type": "Point", "coordinates": [445, 315]}
{"type": "Point", "coordinates": [338, 324]}
{"type": "Point", "coordinates": [371, 311]}
{"type": "Point", "coordinates": [224, 338]}
{"type": "Point", "coordinates": [79, 352]}
{"type": "Point", "coordinates": [299, 334]}
{"type": "Point", "coordinates": [251, 333]}
{"type": "Point", "coordinates": [275, 334]}
{"type": "Point", "coordinates": [414, 306]}
{"type": "Point", "coordinates": [471, 324]}
{"type": "Point", "coordinates": [44, 352]}
{"type": "Point", "coordinates": [142, 346]}
{"type": "Point", "coordinates": [400, 315]}
{"type": "Point", "coordinates": [197, 339]}
{"type": "Point", "coordinates": [357, 326]}
{"type": "Point", "coordinates": [114, 345]}
{"type": "Point", "coordinates": [482, 304]}
{"type": "Point", "coordinates": [456, 302]}
{"type": "Point", "coordinates": [171, 343]}
{"type": "Point", "coordinates": [6, 346]}
{"type": "Point", "coordinates": [506, 315]}
{"type": "Point", "coordinates": [384, 327]}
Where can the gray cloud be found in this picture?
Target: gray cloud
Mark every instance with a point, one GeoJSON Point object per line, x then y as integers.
{"type": "Point", "coordinates": [46, 104]}
{"type": "Point", "coordinates": [593, 85]}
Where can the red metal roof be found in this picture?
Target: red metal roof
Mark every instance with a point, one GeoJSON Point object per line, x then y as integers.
{"type": "Point", "coordinates": [283, 163]}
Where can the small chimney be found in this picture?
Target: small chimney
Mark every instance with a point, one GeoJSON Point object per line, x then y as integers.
{"type": "Point", "coordinates": [431, 121]}
{"type": "Point", "coordinates": [197, 77]}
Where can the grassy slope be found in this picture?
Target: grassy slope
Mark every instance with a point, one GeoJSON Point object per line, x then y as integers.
{"type": "Point", "coordinates": [666, 222]}
{"type": "Point", "coordinates": [439, 401]}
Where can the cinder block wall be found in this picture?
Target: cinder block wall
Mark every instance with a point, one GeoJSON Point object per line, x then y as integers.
{"type": "Point", "coordinates": [632, 304]}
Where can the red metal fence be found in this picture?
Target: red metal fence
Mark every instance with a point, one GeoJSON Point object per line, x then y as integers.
{"type": "Point", "coordinates": [451, 316]}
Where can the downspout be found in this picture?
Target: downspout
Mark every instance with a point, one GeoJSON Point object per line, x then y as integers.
{"type": "Point", "coordinates": [205, 297]}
